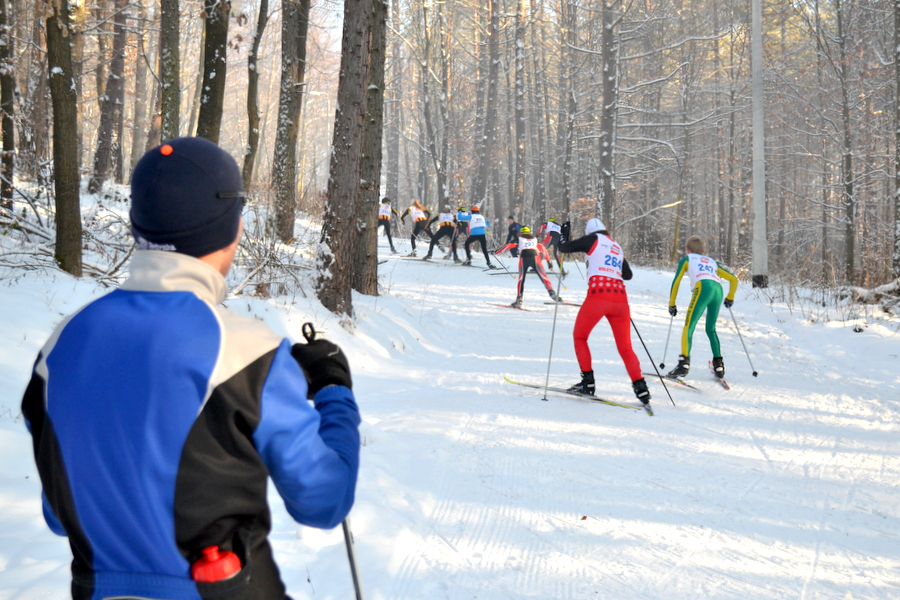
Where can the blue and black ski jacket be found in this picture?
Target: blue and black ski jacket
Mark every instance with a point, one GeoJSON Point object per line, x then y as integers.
{"type": "Point", "coordinates": [157, 416]}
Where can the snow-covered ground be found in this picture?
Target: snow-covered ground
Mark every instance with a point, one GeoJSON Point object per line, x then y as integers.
{"type": "Point", "coordinates": [784, 487]}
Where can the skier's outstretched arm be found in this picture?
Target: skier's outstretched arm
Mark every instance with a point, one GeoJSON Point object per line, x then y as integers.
{"type": "Point", "coordinates": [312, 452]}
{"type": "Point", "coordinates": [679, 273]}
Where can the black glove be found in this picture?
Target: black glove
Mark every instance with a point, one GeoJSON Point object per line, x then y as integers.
{"type": "Point", "coordinates": [565, 233]}
{"type": "Point", "coordinates": [673, 311]}
{"type": "Point", "coordinates": [323, 363]}
{"type": "Point", "coordinates": [728, 303]}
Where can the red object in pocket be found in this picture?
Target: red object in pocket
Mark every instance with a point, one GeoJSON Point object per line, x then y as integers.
{"type": "Point", "coordinates": [215, 566]}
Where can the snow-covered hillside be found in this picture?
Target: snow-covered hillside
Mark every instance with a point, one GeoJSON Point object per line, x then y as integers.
{"type": "Point", "coordinates": [784, 487]}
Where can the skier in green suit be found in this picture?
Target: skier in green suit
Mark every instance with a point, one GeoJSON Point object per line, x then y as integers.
{"type": "Point", "coordinates": [706, 282]}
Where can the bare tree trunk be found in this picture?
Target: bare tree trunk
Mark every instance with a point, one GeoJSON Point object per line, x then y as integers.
{"type": "Point", "coordinates": [253, 94]}
{"type": "Point", "coordinates": [294, 25]}
{"type": "Point", "coordinates": [365, 271]}
{"type": "Point", "coordinates": [65, 138]}
{"type": "Point", "coordinates": [895, 260]}
{"type": "Point", "coordinates": [486, 144]}
{"type": "Point", "coordinates": [111, 105]}
{"type": "Point", "coordinates": [99, 9]}
{"type": "Point", "coordinates": [518, 202]}
{"type": "Point", "coordinates": [169, 69]}
{"type": "Point", "coordinates": [336, 255]}
{"type": "Point", "coordinates": [437, 159]}
{"type": "Point", "coordinates": [395, 107]}
{"type": "Point", "coordinates": [609, 72]}
{"type": "Point", "coordinates": [212, 94]}
{"type": "Point", "coordinates": [139, 120]}
{"type": "Point", "coordinates": [7, 104]}
{"type": "Point", "coordinates": [35, 125]}
{"type": "Point", "coordinates": [849, 198]}
{"type": "Point", "coordinates": [568, 106]}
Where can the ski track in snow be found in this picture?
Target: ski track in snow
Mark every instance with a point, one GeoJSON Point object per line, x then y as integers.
{"type": "Point", "coordinates": [783, 487]}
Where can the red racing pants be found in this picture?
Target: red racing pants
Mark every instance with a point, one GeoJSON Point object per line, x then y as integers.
{"type": "Point", "coordinates": [606, 298]}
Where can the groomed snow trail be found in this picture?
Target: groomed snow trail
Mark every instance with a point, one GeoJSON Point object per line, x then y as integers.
{"type": "Point", "coordinates": [784, 487]}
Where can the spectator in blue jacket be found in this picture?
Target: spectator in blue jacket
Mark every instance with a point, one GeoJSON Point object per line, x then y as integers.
{"type": "Point", "coordinates": [157, 415]}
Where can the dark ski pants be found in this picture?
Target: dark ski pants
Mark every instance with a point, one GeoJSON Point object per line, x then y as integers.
{"type": "Point", "coordinates": [480, 239]}
{"type": "Point", "coordinates": [537, 265]}
{"type": "Point", "coordinates": [554, 243]}
{"type": "Point", "coordinates": [442, 232]}
{"type": "Point", "coordinates": [386, 223]}
{"type": "Point", "coordinates": [417, 230]}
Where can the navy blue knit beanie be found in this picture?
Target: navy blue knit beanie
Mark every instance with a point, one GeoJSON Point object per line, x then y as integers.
{"type": "Point", "coordinates": [186, 196]}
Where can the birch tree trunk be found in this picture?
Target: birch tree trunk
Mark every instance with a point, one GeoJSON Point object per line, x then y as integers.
{"type": "Point", "coordinates": [294, 26]}
{"type": "Point", "coordinates": [212, 94]}
{"type": "Point", "coordinates": [365, 270]}
{"type": "Point", "coordinates": [336, 250]}
{"type": "Point", "coordinates": [65, 138]}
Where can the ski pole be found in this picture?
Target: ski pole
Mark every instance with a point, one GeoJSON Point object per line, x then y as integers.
{"type": "Point", "coordinates": [309, 332]}
{"type": "Point", "coordinates": [661, 380]}
{"type": "Point", "coordinates": [552, 335]}
{"type": "Point", "coordinates": [503, 264]}
{"type": "Point", "coordinates": [662, 365]}
{"type": "Point", "coordinates": [351, 554]}
{"type": "Point", "coordinates": [742, 341]}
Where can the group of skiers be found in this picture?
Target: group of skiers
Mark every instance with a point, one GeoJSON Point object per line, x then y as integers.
{"type": "Point", "coordinates": [607, 271]}
{"type": "Point", "coordinates": [469, 224]}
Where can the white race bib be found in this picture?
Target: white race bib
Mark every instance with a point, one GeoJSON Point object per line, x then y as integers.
{"type": "Point", "coordinates": [605, 259]}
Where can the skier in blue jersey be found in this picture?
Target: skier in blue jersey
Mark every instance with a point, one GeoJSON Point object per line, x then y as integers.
{"type": "Point", "coordinates": [478, 233]}
{"type": "Point", "coordinates": [158, 416]}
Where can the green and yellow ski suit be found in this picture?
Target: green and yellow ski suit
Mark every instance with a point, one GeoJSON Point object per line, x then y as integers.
{"type": "Point", "coordinates": [705, 275]}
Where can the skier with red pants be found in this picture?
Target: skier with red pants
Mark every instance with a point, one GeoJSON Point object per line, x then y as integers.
{"type": "Point", "coordinates": [531, 256]}
{"type": "Point", "coordinates": [607, 271]}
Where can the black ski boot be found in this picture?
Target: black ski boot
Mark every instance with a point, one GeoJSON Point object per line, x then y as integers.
{"type": "Point", "coordinates": [517, 303]}
{"type": "Point", "coordinates": [586, 385]}
{"type": "Point", "coordinates": [641, 391]}
{"type": "Point", "coordinates": [554, 296]}
{"type": "Point", "coordinates": [719, 367]}
{"type": "Point", "coordinates": [681, 370]}
{"type": "Point", "coordinates": [467, 262]}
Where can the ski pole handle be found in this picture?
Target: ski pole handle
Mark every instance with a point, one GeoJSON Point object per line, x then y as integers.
{"type": "Point", "coordinates": [309, 331]}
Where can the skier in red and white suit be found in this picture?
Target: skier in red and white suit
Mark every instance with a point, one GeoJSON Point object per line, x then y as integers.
{"type": "Point", "coordinates": [606, 270]}
{"type": "Point", "coordinates": [531, 256]}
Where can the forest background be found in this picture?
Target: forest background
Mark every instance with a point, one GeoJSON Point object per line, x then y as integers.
{"type": "Point", "coordinates": [635, 111]}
